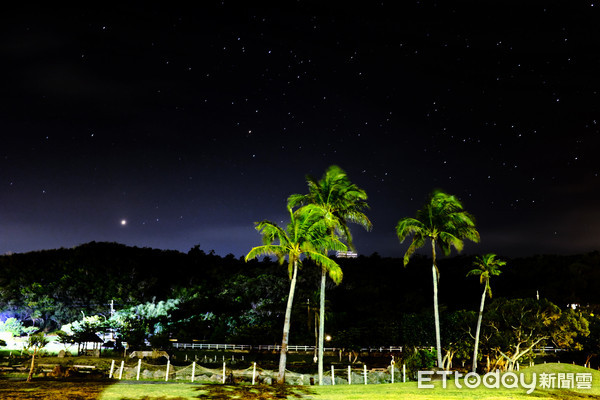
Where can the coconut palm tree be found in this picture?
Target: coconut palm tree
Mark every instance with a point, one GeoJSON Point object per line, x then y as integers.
{"type": "Point", "coordinates": [34, 344]}
{"type": "Point", "coordinates": [444, 223]}
{"type": "Point", "coordinates": [305, 236]}
{"type": "Point", "coordinates": [487, 266]}
{"type": "Point", "coordinates": [341, 202]}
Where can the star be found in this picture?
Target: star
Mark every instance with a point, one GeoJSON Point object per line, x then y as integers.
{"type": "Point", "coordinates": [123, 222]}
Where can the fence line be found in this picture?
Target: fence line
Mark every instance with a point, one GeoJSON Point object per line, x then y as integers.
{"type": "Point", "coordinates": [276, 347]}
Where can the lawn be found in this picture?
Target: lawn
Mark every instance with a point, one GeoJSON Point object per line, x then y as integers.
{"type": "Point", "coordinates": [43, 388]}
{"type": "Point", "coordinates": [409, 390]}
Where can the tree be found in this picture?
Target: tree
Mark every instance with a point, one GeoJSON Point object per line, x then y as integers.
{"type": "Point", "coordinates": [487, 266]}
{"type": "Point", "coordinates": [36, 342]}
{"type": "Point", "coordinates": [341, 202]}
{"type": "Point", "coordinates": [517, 326]}
{"type": "Point", "coordinates": [444, 223]}
{"type": "Point", "coordinates": [144, 321]}
{"type": "Point", "coordinates": [305, 236]}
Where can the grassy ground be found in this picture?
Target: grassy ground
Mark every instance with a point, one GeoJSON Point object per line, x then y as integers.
{"type": "Point", "coordinates": [44, 388]}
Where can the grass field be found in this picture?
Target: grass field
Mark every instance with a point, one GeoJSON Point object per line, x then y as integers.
{"type": "Point", "coordinates": [397, 391]}
{"type": "Point", "coordinates": [42, 388]}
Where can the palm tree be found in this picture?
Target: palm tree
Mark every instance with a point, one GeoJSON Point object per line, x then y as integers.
{"type": "Point", "coordinates": [487, 266]}
{"type": "Point", "coordinates": [35, 343]}
{"type": "Point", "coordinates": [305, 235]}
{"type": "Point", "coordinates": [444, 223]}
{"type": "Point", "coordinates": [341, 202]}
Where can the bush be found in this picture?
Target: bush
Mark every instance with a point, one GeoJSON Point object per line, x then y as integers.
{"type": "Point", "coordinates": [16, 327]}
{"type": "Point", "coordinates": [419, 360]}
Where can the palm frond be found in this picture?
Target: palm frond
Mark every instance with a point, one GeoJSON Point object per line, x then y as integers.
{"type": "Point", "coordinates": [332, 268]}
{"type": "Point", "coordinates": [266, 250]}
{"type": "Point", "coordinates": [409, 226]}
{"type": "Point", "coordinates": [417, 242]}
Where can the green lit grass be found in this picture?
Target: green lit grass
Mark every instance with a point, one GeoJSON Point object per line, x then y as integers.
{"type": "Point", "coordinates": [397, 391]}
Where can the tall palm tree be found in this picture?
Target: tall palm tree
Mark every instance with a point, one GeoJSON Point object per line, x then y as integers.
{"type": "Point", "coordinates": [487, 266]}
{"type": "Point", "coordinates": [341, 202]}
{"type": "Point", "coordinates": [444, 223]}
{"type": "Point", "coordinates": [305, 235]}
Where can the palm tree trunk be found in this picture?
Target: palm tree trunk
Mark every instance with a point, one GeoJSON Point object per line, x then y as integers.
{"type": "Point", "coordinates": [475, 349]}
{"type": "Point", "coordinates": [286, 327]}
{"type": "Point", "coordinates": [32, 365]}
{"type": "Point", "coordinates": [322, 323]}
{"type": "Point", "coordinates": [436, 311]}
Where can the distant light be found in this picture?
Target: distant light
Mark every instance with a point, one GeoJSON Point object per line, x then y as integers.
{"type": "Point", "coordinates": [123, 222]}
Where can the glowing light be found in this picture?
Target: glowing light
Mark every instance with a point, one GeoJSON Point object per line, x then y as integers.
{"type": "Point", "coordinates": [123, 222]}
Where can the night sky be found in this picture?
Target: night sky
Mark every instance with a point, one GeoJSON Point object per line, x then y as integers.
{"type": "Point", "coordinates": [168, 126]}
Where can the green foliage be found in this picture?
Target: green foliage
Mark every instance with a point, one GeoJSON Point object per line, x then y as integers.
{"type": "Point", "coordinates": [92, 323]}
{"type": "Point", "coordinates": [143, 321]}
{"type": "Point", "coordinates": [340, 200]}
{"type": "Point", "coordinates": [443, 221]}
{"type": "Point", "coordinates": [36, 341]}
{"type": "Point", "coordinates": [419, 360]}
{"type": "Point", "coordinates": [512, 328]}
{"type": "Point", "coordinates": [486, 267]}
{"type": "Point", "coordinates": [16, 327]}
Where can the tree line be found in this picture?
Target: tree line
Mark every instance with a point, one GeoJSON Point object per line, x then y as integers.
{"type": "Point", "coordinates": [161, 294]}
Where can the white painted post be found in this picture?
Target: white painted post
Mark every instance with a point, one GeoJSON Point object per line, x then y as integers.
{"type": "Point", "coordinates": [332, 376]}
{"type": "Point", "coordinates": [167, 374]}
{"type": "Point", "coordinates": [349, 376]}
{"type": "Point", "coordinates": [112, 368]}
{"type": "Point", "coordinates": [223, 372]}
{"type": "Point", "coordinates": [365, 372]}
{"type": "Point", "coordinates": [193, 370]}
{"type": "Point", "coordinates": [121, 370]}
{"type": "Point", "coordinates": [392, 364]}
{"type": "Point", "coordinates": [139, 367]}
{"type": "Point", "coordinates": [403, 372]}
{"type": "Point", "coordinates": [254, 374]}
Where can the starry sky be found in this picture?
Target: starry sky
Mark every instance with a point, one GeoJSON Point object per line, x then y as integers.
{"type": "Point", "coordinates": [169, 125]}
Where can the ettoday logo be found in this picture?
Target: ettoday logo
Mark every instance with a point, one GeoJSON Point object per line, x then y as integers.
{"type": "Point", "coordinates": [508, 380]}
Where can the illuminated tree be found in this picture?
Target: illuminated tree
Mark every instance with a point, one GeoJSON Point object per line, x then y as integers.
{"type": "Point", "coordinates": [35, 343]}
{"type": "Point", "coordinates": [487, 266]}
{"type": "Point", "coordinates": [444, 223]}
{"type": "Point", "coordinates": [515, 327]}
{"type": "Point", "coordinates": [305, 236]}
{"type": "Point", "coordinates": [341, 202]}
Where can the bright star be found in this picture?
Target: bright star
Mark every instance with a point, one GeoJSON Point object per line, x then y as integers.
{"type": "Point", "coordinates": [123, 222]}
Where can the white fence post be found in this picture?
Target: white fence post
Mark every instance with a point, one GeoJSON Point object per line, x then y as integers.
{"type": "Point", "coordinates": [167, 374]}
{"type": "Point", "coordinates": [349, 376]}
{"type": "Point", "coordinates": [332, 376]}
{"type": "Point", "coordinates": [112, 368]}
{"type": "Point", "coordinates": [392, 365]}
{"type": "Point", "coordinates": [223, 372]}
{"type": "Point", "coordinates": [254, 373]}
{"type": "Point", "coordinates": [138, 371]}
{"type": "Point", "coordinates": [193, 370]}
{"type": "Point", "coordinates": [403, 372]}
{"type": "Point", "coordinates": [121, 370]}
{"type": "Point", "coordinates": [365, 372]}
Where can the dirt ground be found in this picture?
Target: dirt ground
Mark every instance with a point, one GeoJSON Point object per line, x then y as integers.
{"type": "Point", "coordinates": [86, 389]}
{"type": "Point", "coordinates": [51, 389]}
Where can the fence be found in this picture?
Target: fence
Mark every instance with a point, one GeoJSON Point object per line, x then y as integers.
{"type": "Point", "coordinates": [271, 347]}
{"type": "Point", "coordinates": [253, 374]}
